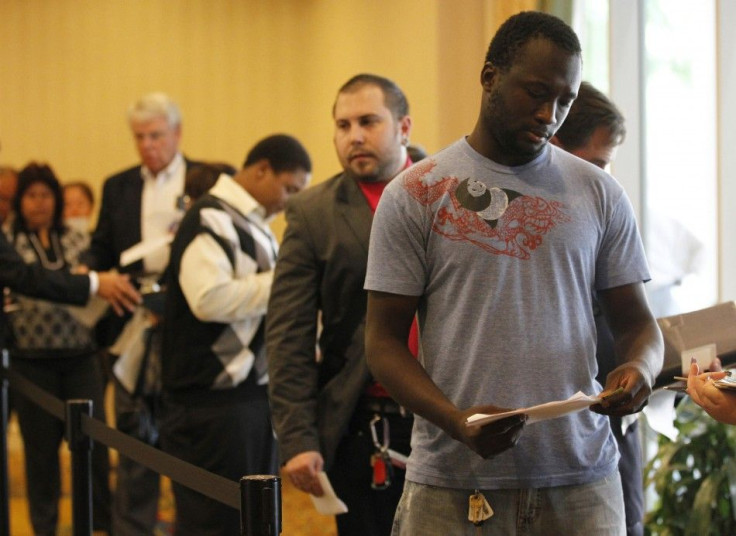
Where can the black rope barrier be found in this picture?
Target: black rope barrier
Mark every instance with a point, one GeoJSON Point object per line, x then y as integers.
{"type": "Point", "coordinates": [214, 486]}
{"type": "Point", "coordinates": [49, 403]}
{"type": "Point", "coordinates": [258, 497]}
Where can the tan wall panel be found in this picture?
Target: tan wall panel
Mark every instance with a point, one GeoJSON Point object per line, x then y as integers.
{"type": "Point", "coordinates": [240, 69]}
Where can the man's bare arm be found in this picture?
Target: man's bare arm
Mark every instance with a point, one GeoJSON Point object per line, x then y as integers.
{"type": "Point", "coordinates": [639, 348]}
{"type": "Point", "coordinates": [388, 322]}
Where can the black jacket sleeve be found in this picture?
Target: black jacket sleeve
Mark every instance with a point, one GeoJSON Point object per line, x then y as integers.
{"type": "Point", "coordinates": [35, 281]}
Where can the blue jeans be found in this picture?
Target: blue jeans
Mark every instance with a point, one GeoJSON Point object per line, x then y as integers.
{"type": "Point", "coordinates": [595, 508]}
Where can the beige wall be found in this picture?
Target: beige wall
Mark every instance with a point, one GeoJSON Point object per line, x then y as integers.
{"type": "Point", "coordinates": [240, 70]}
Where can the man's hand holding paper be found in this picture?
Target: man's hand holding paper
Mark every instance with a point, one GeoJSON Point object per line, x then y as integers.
{"type": "Point", "coordinates": [303, 471]}
{"type": "Point", "coordinates": [488, 440]}
{"type": "Point", "coordinates": [626, 392]}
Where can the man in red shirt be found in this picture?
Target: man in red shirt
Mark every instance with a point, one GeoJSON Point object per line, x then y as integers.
{"type": "Point", "coordinates": [325, 404]}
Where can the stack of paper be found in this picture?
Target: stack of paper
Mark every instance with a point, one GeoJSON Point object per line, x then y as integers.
{"type": "Point", "coordinates": [728, 383]}
{"type": "Point", "coordinates": [542, 412]}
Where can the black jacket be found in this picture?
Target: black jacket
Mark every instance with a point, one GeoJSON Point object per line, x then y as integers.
{"type": "Point", "coordinates": [35, 281]}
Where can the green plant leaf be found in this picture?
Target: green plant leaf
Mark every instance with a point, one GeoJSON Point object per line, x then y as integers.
{"type": "Point", "coordinates": [730, 469]}
{"type": "Point", "coordinates": [702, 510]}
{"type": "Point", "coordinates": [694, 478]}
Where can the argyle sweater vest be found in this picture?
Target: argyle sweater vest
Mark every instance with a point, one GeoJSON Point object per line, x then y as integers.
{"type": "Point", "coordinates": [196, 354]}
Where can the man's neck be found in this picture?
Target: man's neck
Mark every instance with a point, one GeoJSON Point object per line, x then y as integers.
{"type": "Point", "coordinates": [147, 172]}
{"type": "Point", "coordinates": [486, 145]}
{"type": "Point", "coordinates": [383, 179]}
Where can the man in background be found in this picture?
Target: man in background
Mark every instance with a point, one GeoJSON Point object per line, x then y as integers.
{"type": "Point", "coordinates": [593, 130]}
{"type": "Point", "coordinates": [322, 396]}
{"type": "Point", "coordinates": [140, 204]}
{"type": "Point", "coordinates": [216, 413]}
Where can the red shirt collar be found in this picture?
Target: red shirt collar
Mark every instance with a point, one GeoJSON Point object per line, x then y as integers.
{"type": "Point", "coordinates": [373, 190]}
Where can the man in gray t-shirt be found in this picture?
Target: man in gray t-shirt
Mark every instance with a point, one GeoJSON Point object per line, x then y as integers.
{"type": "Point", "coordinates": [499, 243]}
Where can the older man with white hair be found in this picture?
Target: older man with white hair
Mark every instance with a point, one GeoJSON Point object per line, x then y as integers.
{"type": "Point", "coordinates": [140, 204]}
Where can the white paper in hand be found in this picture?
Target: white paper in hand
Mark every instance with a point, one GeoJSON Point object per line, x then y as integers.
{"type": "Point", "coordinates": [542, 412]}
{"type": "Point", "coordinates": [329, 504]}
{"type": "Point", "coordinates": [141, 249]}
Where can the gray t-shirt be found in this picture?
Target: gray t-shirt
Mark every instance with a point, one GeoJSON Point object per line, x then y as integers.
{"type": "Point", "coordinates": [506, 261]}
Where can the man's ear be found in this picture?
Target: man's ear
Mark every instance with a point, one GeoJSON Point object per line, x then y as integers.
{"type": "Point", "coordinates": [263, 166]}
{"type": "Point", "coordinates": [177, 132]}
{"type": "Point", "coordinates": [488, 75]}
{"type": "Point", "coordinates": [405, 127]}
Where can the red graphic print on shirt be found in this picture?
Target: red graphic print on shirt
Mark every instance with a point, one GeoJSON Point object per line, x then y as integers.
{"type": "Point", "coordinates": [498, 220]}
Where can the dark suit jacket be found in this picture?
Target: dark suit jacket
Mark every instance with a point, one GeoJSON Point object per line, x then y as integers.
{"type": "Point", "coordinates": [118, 228]}
{"type": "Point", "coordinates": [320, 268]}
{"type": "Point", "coordinates": [34, 280]}
{"type": "Point", "coordinates": [119, 222]}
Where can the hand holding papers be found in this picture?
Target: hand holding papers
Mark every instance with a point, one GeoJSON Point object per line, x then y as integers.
{"type": "Point", "coordinates": [714, 392]}
{"type": "Point", "coordinates": [728, 383]}
{"type": "Point", "coordinates": [329, 504]}
{"type": "Point", "coordinates": [542, 412]}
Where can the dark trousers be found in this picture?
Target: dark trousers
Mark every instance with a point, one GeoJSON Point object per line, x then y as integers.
{"type": "Point", "coordinates": [631, 471]}
{"type": "Point", "coordinates": [629, 445]}
{"type": "Point", "coordinates": [370, 511]}
{"type": "Point", "coordinates": [135, 506]}
{"type": "Point", "coordinates": [228, 435]}
{"type": "Point", "coordinates": [68, 378]}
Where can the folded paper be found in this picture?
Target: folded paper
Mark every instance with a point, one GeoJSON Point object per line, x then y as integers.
{"type": "Point", "coordinates": [542, 412]}
{"type": "Point", "coordinates": [329, 504]}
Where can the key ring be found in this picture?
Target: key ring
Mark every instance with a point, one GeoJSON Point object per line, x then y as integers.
{"type": "Point", "coordinates": [374, 433]}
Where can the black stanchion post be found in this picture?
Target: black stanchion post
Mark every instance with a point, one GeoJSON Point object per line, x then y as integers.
{"type": "Point", "coordinates": [80, 446]}
{"type": "Point", "coordinates": [4, 478]}
{"type": "Point", "coordinates": [260, 505]}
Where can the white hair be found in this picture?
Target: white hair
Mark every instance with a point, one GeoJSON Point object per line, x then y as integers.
{"type": "Point", "coordinates": [154, 105]}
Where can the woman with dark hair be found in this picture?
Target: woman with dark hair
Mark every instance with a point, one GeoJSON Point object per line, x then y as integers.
{"type": "Point", "coordinates": [51, 347]}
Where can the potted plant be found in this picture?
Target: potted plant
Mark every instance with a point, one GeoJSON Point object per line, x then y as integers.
{"type": "Point", "coordinates": [694, 477]}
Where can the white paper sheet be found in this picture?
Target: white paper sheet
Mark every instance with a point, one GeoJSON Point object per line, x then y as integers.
{"type": "Point", "coordinates": [141, 249]}
{"type": "Point", "coordinates": [660, 413]}
{"type": "Point", "coordinates": [704, 356]}
{"type": "Point", "coordinates": [329, 504]}
{"type": "Point", "coordinates": [542, 412]}
{"type": "Point", "coordinates": [130, 348]}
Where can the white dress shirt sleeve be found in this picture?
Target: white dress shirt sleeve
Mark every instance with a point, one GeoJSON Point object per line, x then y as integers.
{"type": "Point", "coordinates": [213, 290]}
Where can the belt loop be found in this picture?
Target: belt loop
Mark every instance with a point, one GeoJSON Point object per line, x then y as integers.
{"type": "Point", "coordinates": [382, 405]}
